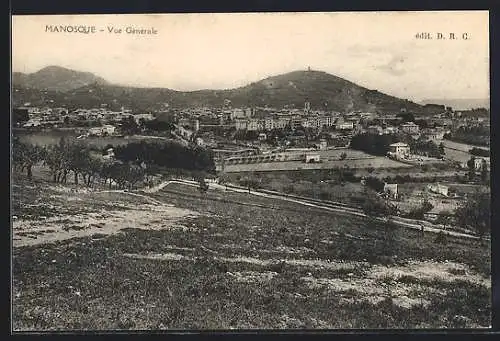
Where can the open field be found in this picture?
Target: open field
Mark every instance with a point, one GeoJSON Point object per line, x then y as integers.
{"type": "Point", "coordinates": [458, 151]}
{"type": "Point", "coordinates": [460, 146]}
{"type": "Point", "coordinates": [222, 260]}
{"type": "Point", "coordinates": [329, 159]}
{"type": "Point", "coordinates": [334, 154]}
{"type": "Point", "coordinates": [375, 162]}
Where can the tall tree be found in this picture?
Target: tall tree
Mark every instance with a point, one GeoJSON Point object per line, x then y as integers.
{"type": "Point", "coordinates": [471, 168]}
{"type": "Point", "coordinates": [475, 213]}
{"type": "Point", "coordinates": [484, 172]}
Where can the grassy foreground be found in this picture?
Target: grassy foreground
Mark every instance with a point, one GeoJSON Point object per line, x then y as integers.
{"type": "Point", "coordinates": [242, 262]}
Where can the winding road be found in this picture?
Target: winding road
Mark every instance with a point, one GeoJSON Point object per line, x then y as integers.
{"type": "Point", "coordinates": [408, 223]}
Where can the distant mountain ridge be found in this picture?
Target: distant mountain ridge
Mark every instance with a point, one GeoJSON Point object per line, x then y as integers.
{"type": "Point", "coordinates": [460, 103]}
{"type": "Point", "coordinates": [293, 89]}
{"type": "Point", "coordinates": [55, 78]}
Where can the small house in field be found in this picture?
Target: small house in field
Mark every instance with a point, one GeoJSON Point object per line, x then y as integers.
{"type": "Point", "coordinates": [391, 190]}
{"type": "Point", "coordinates": [110, 154]}
{"type": "Point", "coordinates": [323, 144]}
{"type": "Point", "coordinates": [399, 149]}
{"type": "Point", "coordinates": [312, 158]}
{"type": "Point", "coordinates": [438, 189]}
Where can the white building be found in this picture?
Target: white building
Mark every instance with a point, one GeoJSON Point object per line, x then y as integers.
{"type": "Point", "coordinates": [269, 123]}
{"type": "Point", "coordinates": [478, 163]}
{"type": "Point", "coordinates": [32, 123]}
{"type": "Point", "coordinates": [280, 123]}
{"type": "Point", "coordinates": [104, 130]}
{"type": "Point", "coordinates": [438, 189]}
{"type": "Point", "coordinates": [391, 190]}
{"type": "Point", "coordinates": [145, 117]}
{"type": "Point", "coordinates": [241, 124]}
{"type": "Point", "coordinates": [238, 113]}
{"type": "Point", "coordinates": [312, 158]}
{"type": "Point", "coordinates": [323, 144]}
{"type": "Point", "coordinates": [399, 149]}
{"type": "Point", "coordinates": [345, 126]}
{"type": "Point", "coordinates": [185, 133]}
{"type": "Point", "coordinates": [409, 128]}
{"type": "Point", "coordinates": [200, 142]}
{"type": "Point", "coordinates": [375, 129]}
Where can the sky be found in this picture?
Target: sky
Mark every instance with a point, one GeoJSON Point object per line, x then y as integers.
{"type": "Point", "coordinates": [377, 50]}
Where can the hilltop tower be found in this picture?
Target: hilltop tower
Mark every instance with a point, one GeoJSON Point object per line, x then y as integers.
{"type": "Point", "coordinates": [307, 106]}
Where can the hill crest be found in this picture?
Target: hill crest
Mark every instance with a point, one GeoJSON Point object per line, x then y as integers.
{"type": "Point", "coordinates": [321, 89]}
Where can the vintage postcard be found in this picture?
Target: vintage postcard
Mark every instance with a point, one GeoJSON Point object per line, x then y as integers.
{"type": "Point", "coordinates": [251, 171]}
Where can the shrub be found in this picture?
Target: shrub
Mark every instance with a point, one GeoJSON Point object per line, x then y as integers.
{"type": "Point", "coordinates": [440, 238]}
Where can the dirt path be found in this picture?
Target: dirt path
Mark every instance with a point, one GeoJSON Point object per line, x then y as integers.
{"type": "Point", "coordinates": [156, 215]}
{"type": "Point", "coordinates": [152, 200]}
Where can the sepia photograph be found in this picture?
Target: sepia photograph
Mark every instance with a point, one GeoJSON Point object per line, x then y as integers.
{"type": "Point", "coordinates": [250, 171]}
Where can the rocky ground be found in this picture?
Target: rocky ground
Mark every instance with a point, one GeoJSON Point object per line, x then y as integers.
{"type": "Point", "coordinates": [179, 259]}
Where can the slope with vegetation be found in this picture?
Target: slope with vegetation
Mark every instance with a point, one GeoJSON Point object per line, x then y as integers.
{"type": "Point", "coordinates": [322, 90]}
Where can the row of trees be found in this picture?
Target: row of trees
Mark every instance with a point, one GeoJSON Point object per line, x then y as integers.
{"type": "Point", "coordinates": [76, 160]}
{"type": "Point", "coordinates": [475, 213]}
{"type": "Point", "coordinates": [480, 152]}
{"type": "Point", "coordinates": [167, 155]}
{"type": "Point", "coordinates": [478, 135]}
{"type": "Point", "coordinates": [373, 143]}
{"type": "Point", "coordinates": [134, 162]}
{"type": "Point", "coordinates": [379, 144]}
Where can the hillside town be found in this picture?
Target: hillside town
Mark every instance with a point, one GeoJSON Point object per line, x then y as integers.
{"type": "Point", "coordinates": [249, 139]}
{"type": "Point", "coordinates": [250, 171]}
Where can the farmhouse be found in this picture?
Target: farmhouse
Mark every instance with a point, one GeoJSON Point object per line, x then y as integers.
{"type": "Point", "coordinates": [185, 133]}
{"type": "Point", "coordinates": [32, 123]}
{"type": "Point", "coordinates": [323, 144]}
{"type": "Point", "coordinates": [312, 158]}
{"type": "Point", "coordinates": [438, 189]}
{"type": "Point", "coordinates": [199, 142]}
{"type": "Point", "coordinates": [391, 190]}
{"type": "Point", "coordinates": [374, 129]}
{"type": "Point", "coordinates": [104, 130]}
{"type": "Point", "coordinates": [110, 154]}
{"type": "Point", "coordinates": [145, 117]}
{"type": "Point", "coordinates": [478, 163]}
{"type": "Point", "coordinates": [399, 149]}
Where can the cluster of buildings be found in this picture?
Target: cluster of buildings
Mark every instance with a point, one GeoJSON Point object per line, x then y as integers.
{"type": "Point", "coordinates": [105, 120]}
{"type": "Point", "coordinates": [266, 119]}
{"type": "Point", "coordinates": [282, 121]}
{"type": "Point", "coordinates": [444, 198]}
